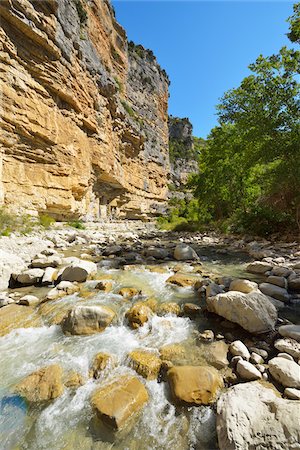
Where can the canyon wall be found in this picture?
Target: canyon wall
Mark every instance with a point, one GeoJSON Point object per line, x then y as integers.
{"type": "Point", "coordinates": [83, 113]}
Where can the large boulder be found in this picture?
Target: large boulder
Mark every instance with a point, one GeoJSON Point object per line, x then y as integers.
{"type": "Point", "coordinates": [157, 252]}
{"type": "Point", "coordinates": [118, 401]}
{"type": "Point", "coordinates": [145, 363]}
{"type": "Point", "coordinates": [17, 316]}
{"type": "Point", "coordinates": [285, 371]}
{"type": "Point", "coordinates": [254, 312]}
{"type": "Point", "coordinates": [184, 252]}
{"type": "Point", "coordinates": [43, 385]}
{"type": "Point", "coordinates": [289, 346]}
{"type": "Point", "coordinates": [253, 416]}
{"type": "Point", "coordinates": [182, 280]}
{"type": "Point", "coordinates": [29, 277]}
{"type": "Point", "coordinates": [9, 263]}
{"type": "Point", "coordinates": [275, 291]}
{"type": "Point", "coordinates": [244, 286]}
{"type": "Point", "coordinates": [194, 385]}
{"type": "Point", "coordinates": [87, 319]}
{"type": "Point", "coordinates": [79, 270]}
{"type": "Point", "coordinates": [215, 353]}
{"type": "Point", "coordinates": [247, 371]}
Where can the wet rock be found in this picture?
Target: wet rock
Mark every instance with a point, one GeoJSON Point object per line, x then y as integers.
{"type": "Point", "coordinates": [112, 250]}
{"type": "Point", "coordinates": [29, 300]}
{"type": "Point", "coordinates": [101, 361]}
{"type": "Point", "coordinates": [194, 385]}
{"type": "Point", "coordinates": [43, 385]}
{"type": "Point", "coordinates": [290, 331]}
{"type": "Point", "coordinates": [294, 283]}
{"type": "Point", "coordinates": [249, 415]}
{"type": "Point", "coordinates": [116, 403]}
{"type": "Point", "coordinates": [29, 277]}
{"type": "Point", "coordinates": [280, 271]}
{"type": "Point", "coordinates": [259, 267]}
{"type": "Point", "coordinates": [182, 280]}
{"type": "Point", "coordinates": [105, 286]}
{"type": "Point", "coordinates": [145, 363]}
{"type": "Point", "coordinates": [254, 312]}
{"type": "Point", "coordinates": [213, 289]}
{"type": "Point", "coordinates": [171, 352]}
{"type": "Point", "coordinates": [237, 348]}
{"type": "Point", "coordinates": [63, 288]}
{"type": "Point", "coordinates": [168, 308]}
{"type": "Point", "coordinates": [285, 372]}
{"type": "Point", "coordinates": [216, 354]}
{"type": "Point", "coordinates": [138, 315]}
{"type": "Point", "coordinates": [17, 316]}
{"type": "Point", "coordinates": [127, 292]}
{"type": "Point", "coordinates": [292, 393]}
{"type": "Point", "coordinates": [79, 271]}
{"type": "Point", "coordinates": [73, 380]}
{"type": "Point", "coordinates": [191, 310]}
{"type": "Point", "coordinates": [276, 292]}
{"type": "Point", "coordinates": [286, 356]}
{"type": "Point", "coordinates": [87, 320]}
{"type": "Point", "coordinates": [184, 252]}
{"type": "Point", "coordinates": [247, 371]}
{"type": "Point", "coordinates": [244, 286]}
{"type": "Point", "coordinates": [289, 346]}
{"type": "Point", "coordinates": [207, 335]}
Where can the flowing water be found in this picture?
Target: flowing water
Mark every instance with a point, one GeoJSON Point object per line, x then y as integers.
{"type": "Point", "coordinates": [67, 422]}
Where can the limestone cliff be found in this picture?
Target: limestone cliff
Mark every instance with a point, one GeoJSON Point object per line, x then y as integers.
{"type": "Point", "coordinates": [84, 128]}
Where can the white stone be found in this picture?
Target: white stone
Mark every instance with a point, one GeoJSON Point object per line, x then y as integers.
{"type": "Point", "coordinates": [50, 275]}
{"type": "Point", "coordinates": [244, 286]}
{"type": "Point", "coordinates": [285, 372]}
{"type": "Point", "coordinates": [291, 331]}
{"type": "Point", "coordinates": [285, 355]}
{"type": "Point", "coordinates": [29, 300]}
{"type": "Point", "coordinates": [292, 393]}
{"type": "Point", "coordinates": [254, 312]}
{"type": "Point", "coordinates": [237, 348]}
{"type": "Point", "coordinates": [256, 359]}
{"type": "Point", "coordinates": [51, 261]}
{"type": "Point", "coordinates": [251, 416]}
{"type": "Point", "coordinates": [29, 276]}
{"type": "Point", "coordinates": [290, 346]}
{"type": "Point", "coordinates": [247, 371]}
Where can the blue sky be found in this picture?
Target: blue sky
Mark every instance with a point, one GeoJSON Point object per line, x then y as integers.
{"type": "Point", "coordinates": [205, 46]}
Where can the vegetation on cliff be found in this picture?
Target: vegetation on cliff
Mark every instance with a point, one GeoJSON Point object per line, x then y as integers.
{"type": "Point", "coordinates": [249, 170]}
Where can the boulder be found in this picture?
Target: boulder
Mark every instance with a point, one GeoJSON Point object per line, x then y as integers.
{"type": "Point", "coordinates": [29, 277]}
{"type": "Point", "coordinates": [171, 352]}
{"type": "Point", "coordinates": [168, 308]}
{"type": "Point", "coordinates": [292, 393]}
{"type": "Point", "coordinates": [280, 271]}
{"type": "Point", "coordinates": [278, 281]}
{"type": "Point", "coordinates": [191, 309]}
{"type": "Point", "coordinates": [253, 416]}
{"type": "Point", "coordinates": [157, 252]}
{"type": "Point", "coordinates": [259, 267]}
{"type": "Point", "coordinates": [194, 385]}
{"type": "Point", "coordinates": [42, 263]}
{"type": "Point", "coordinates": [294, 283]}
{"type": "Point", "coordinates": [73, 380]}
{"type": "Point", "coordinates": [244, 286]}
{"type": "Point", "coordinates": [216, 354]}
{"type": "Point", "coordinates": [290, 346]}
{"type": "Point", "coordinates": [43, 385]}
{"type": "Point", "coordinates": [116, 403]}
{"type": "Point", "coordinates": [213, 289]}
{"type": "Point", "coordinates": [182, 280]}
{"type": "Point", "coordinates": [138, 315]}
{"type": "Point", "coordinates": [87, 320]}
{"type": "Point", "coordinates": [290, 331]}
{"type": "Point", "coordinates": [50, 275]}
{"type": "Point", "coordinates": [274, 291]}
{"type": "Point", "coordinates": [254, 312]}
{"type": "Point", "coordinates": [79, 271]}
{"type": "Point", "coordinates": [61, 290]}
{"type": "Point", "coordinates": [145, 363]}
{"type": "Point", "coordinates": [247, 371]}
{"type": "Point", "coordinates": [285, 372]}
{"type": "Point", "coordinates": [29, 300]}
{"type": "Point", "coordinates": [237, 348]}
{"type": "Point", "coordinates": [184, 252]}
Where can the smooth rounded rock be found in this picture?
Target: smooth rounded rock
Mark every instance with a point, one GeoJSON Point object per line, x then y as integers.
{"type": "Point", "coordinates": [247, 371]}
{"type": "Point", "coordinates": [285, 372]}
{"type": "Point", "coordinates": [237, 348]}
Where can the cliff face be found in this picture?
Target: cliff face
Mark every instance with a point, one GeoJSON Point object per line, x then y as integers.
{"type": "Point", "coordinates": [83, 115]}
{"type": "Point", "coordinates": [183, 154]}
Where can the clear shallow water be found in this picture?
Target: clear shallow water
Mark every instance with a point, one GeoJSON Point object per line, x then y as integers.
{"type": "Point", "coordinates": [67, 422]}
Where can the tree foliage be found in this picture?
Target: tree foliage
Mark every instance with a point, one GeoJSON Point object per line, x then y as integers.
{"type": "Point", "coordinates": [250, 168]}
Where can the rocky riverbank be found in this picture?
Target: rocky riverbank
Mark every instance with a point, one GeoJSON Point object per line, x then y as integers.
{"type": "Point", "coordinates": [120, 331]}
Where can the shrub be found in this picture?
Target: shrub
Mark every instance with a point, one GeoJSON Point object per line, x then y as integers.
{"type": "Point", "coordinates": [128, 108]}
{"type": "Point", "coordinates": [10, 223]}
{"type": "Point", "coordinates": [46, 220]}
{"type": "Point", "coordinates": [77, 224]}
{"type": "Point", "coordinates": [82, 14]}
